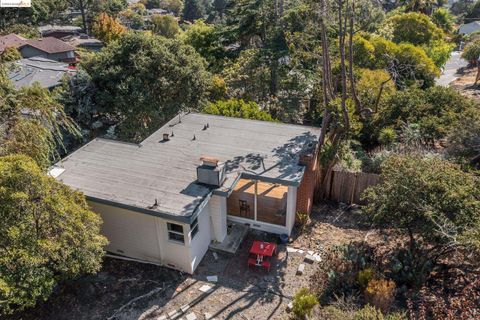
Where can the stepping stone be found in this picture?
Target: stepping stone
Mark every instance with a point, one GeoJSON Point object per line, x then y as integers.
{"type": "Point", "coordinates": [206, 288]}
{"type": "Point", "coordinates": [301, 268]}
{"type": "Point", "coordinates": [191, 316]}
{"type": "Point", "coordinates": [212, 278]}
{"type": "Point", "coordinates": [309, 258]}
{"type": "Point", "coordinates": [185, 308]}
{"type": "Point", "coordinates": [291, 250]}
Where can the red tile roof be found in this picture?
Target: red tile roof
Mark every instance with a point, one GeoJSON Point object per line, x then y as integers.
{"type": "Point", "coordinates": [49, 45]}
{"type": "Point", "coordinates": [11, 40]}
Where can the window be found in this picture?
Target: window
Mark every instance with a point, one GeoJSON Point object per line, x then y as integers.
{"type": "Point", "coordinates": [194, 228]}
{"type": "Point", "coordinates": [175, 232]}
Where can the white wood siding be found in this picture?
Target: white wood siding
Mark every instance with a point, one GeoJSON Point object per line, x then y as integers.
{"type": "Point", "coordinates": [145, 237]}
{"type": "Point", "coordinates": [218, 216]}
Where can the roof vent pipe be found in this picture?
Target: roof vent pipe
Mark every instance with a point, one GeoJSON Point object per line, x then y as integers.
{"type": "Point", "coordinates": [166, 137]}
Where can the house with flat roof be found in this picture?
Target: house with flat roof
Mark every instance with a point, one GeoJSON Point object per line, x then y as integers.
{"type": "Point", "coordinates": [47, 73]}
{"type": "Point", "coordinates": [166, 199]}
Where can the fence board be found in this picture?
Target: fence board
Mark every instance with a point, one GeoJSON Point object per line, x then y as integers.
{"type": "Point", "coordinates": [347, 187]}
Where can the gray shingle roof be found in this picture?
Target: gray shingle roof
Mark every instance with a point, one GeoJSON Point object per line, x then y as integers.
{"type": "Point", "coordinates": [48, 73]}
{"type": "Point", "coordinates": [133, 176]}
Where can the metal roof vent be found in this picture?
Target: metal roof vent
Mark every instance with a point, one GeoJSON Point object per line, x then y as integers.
{"type": "Point", "coordinates": [211, 172]}
{"type": "Point", "coordinates": [166, 137]}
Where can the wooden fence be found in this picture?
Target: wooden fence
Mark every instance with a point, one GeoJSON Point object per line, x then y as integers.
{"type": "Point", "coordinates": [347, 187]}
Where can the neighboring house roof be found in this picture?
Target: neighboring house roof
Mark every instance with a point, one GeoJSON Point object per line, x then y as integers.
{"type": "Point", "coordinates": [134, 175]}
{"type": "Point", "coordinates": [83, 40]}
{"type": "Point", "coordinates": [469, 27]}
{"type": "Point", "coordinates": [48, 73]}
{"type": "Point", "coordinates": [11, 40]}
{"type": "Point", "coordinates": [46, 30]}
{"type": "Point", "coordinates": [49, 45]}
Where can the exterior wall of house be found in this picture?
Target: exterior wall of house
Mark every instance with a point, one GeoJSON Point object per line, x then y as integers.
{"type": "Point", "coordinates": [200, 242]}
{"type": "Point", "coordinates": [145, 237]}
{"type": "Point", "coordinates": [218, 217]}
{"type": "Point", "coordinates": [307, 186]}
{"type": "Point", "coordinates": [29, 51]}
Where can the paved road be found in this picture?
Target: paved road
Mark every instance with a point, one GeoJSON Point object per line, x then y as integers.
{"type": "Point", "coordinates": [450, 71]}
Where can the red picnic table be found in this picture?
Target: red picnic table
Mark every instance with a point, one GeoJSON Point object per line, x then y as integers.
{"type": "Point", "coordinates": [261, 249]}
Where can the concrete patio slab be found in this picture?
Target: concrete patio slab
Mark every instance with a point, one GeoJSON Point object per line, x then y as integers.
{"type": "Point", "coordinates": [236, 232]}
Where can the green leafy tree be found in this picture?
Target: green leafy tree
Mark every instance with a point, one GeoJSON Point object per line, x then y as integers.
{"type": "Point", "coordinates": [41, 11]}
{"type": "Point", "coordinates": [143, 80]}
{"type": "Point", "coordinates": [434, 202]}
{"type": "Point", "coordinates": [48, 234]}
{"type": "Point", "coordinates": [165, 25]}
{"type": "Point", "coordinates": [206, 41]}
{"type": "Point", "coordinates": [194, 9]}
{"type": "Point", "coordinates": [415, 28]}
{"type": "Point", "coordinates": [33, 123]}
{"type": "Point", "coordinates": [238, 108]}
{"type": "Point", "coordinates": [174, 6]}
{"type": "Point", "coordinates": [24, 30]}
{"type": "Point", "coordinates": [406, 63]}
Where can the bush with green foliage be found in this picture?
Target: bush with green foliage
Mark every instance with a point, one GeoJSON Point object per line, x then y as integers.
{"type": "Point", "coordinates": [48, 234]}
{"type": "Point", "coordinates": [433, 201]}
{"type": "Point", "coordinates": [165, 25]}
{"type": "Point", "coordinates": [303, 303]}
{"type": "Point", "coordinates": [471, 52]}
{"type": "Point", "coordinates": [238, 108]}
{"type": "Point", "coordinates": [415, 28]}
{"type": "Point", "coordinates": [10, 54]}
{"type": "Point", "coordinates": [439, 51]}
{"type": "Point", "coordinates": [436, 111]}
{"type": "Point", "coordinates": [443, 19]}
{"type": "Point", "coordinates": [387, 136]}
{"type": "Point", "coordinates": [352, 313]}
{"type": "Point", "coordinates": [463, 141]}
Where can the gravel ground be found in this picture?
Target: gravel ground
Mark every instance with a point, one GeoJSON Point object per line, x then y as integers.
{"type": "Point", "coordinates": [128, 290]}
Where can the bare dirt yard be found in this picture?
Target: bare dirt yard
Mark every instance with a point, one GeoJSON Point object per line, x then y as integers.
{"type": "Point", "coordinates": [465, 83]}
{"type": "Point", "coordinates": [130, 290]}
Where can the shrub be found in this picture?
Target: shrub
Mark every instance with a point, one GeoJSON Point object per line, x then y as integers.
{"type": "Point", "coordinates": [380, 294]}
{"type": "Point", "coordinates": [365, 276]}
{"type": "Point", "coordinates": [238, 108]}
{"type": "Point", "coordinates": [471, 52]}
{"type": "Point", "coordinates": [303, 303]}
{"type": "Point", "coordinates": [387, 136]}
{"type": "Point", "coordinates": [415, 28]}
